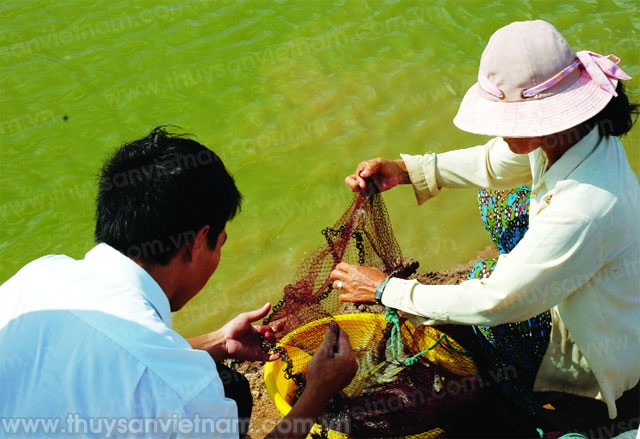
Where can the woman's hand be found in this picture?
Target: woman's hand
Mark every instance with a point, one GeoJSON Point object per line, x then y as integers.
{"type": "Point", "coordinates": [383, 174]}
{"type": "Point", "coordinates": [358, 283]}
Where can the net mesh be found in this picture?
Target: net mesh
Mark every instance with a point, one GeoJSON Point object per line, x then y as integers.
{"type": "Point", "coordinates": [412, 381]}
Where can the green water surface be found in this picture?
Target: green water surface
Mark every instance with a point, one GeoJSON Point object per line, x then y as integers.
{"type": "Point", "coordinates": [291, 94]}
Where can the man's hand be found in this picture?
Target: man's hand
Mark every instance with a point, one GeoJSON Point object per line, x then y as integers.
{"type": "Point", "coordinates": [358, 283]}
{"type": "Point", "coordinates": [239, 339]}
{"type": "Point", "coordinates": [384, 174]}
{"type": "Point", "coordinates": [332, 368]}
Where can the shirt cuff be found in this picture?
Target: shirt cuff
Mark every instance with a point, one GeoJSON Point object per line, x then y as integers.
{"type": "Point", "coordinates": [397, 294]}
{"type": "Point", "coordinates": [423, 175]}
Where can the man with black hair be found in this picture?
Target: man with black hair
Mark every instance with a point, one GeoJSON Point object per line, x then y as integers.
{"type": "Point", "coordinates": [89, 342]}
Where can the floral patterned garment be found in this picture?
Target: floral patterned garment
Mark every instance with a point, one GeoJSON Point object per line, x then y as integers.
{"type": "Point", "coordinates": [514, 350]}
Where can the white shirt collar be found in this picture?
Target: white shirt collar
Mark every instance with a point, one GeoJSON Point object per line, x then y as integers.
{"type": "Point", "coordinates": [126, 270]}
{"type": "Point", "coordinates": [572, 158]}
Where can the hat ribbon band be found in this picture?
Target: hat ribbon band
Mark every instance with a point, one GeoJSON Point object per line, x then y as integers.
{"type": "Point", "coordinates": [599, 67]}
{"type": "Point", "coordinates": [489, 86]}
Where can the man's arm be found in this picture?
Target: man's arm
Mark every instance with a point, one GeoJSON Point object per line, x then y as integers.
{"type": "Point", "coordinates": [239, 338]}
{"type": "Point", "coordinates": [332, 368]}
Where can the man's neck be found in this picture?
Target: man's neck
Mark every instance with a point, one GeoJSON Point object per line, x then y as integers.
{"type": "Point", "coordinates": [164, 275]}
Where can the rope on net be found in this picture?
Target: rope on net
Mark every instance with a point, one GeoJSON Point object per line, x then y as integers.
{"type": "Point", "coordinates": [391, 315]}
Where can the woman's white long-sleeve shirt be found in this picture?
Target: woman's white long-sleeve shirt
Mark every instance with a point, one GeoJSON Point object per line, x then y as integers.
{"type": "Point", "coordinates": [580, 258]}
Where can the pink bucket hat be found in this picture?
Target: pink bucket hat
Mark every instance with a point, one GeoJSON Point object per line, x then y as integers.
{"type": "Point", "coordinates": [530, 84]}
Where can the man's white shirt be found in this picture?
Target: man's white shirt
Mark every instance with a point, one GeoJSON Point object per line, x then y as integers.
{"type": "Point", "coordinates": [89, 343]}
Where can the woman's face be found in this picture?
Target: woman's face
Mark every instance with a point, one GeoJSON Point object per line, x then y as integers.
{"type": "Point", "coordinates": [523, 145]}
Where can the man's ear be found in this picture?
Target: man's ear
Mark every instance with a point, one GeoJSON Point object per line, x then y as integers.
{"type": "Point", "coordinates": [193, 248]}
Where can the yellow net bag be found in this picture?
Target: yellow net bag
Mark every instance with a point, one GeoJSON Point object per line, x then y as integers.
{"type": "Point", "coordinates": [412, 381]}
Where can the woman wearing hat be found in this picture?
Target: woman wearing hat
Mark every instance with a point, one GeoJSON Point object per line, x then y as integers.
{"type": "Point", "coordinates": [573, 279]}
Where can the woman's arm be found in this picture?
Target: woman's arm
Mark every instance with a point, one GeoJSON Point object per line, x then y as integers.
{"type": "Point", "coordinates": [491, 165]}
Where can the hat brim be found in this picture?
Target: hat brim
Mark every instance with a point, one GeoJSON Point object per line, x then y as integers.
{"type": "Point", "coordinates": [532, 117]}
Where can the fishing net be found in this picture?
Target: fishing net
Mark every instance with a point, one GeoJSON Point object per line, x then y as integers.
{"type": "Point", "coordinates": [412, 381]}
